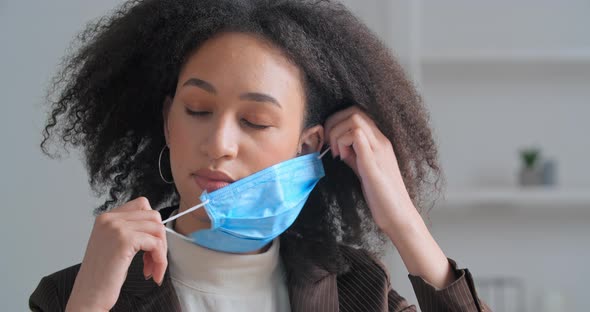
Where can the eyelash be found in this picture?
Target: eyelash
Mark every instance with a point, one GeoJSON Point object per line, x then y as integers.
{"type": "Point", "coordinates": [246, 122]}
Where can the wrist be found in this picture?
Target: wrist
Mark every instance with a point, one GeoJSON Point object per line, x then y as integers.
{"type": "Point", "coordinates": [419, 251]}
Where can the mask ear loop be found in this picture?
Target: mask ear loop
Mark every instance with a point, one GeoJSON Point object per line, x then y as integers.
{"type": "Point", "coordinates": [185, 212]}
{"type": "Point", "coordinates": [324, 152]}
{"type": "Point", "coordinates": [180, 215]}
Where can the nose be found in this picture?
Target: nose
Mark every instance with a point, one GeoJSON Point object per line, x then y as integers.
{"type": "Point", "coordinates": [222, 139]}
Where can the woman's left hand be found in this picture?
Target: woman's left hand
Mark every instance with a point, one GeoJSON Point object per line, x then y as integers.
{"type": "Point", "coordinates": [355, 138]}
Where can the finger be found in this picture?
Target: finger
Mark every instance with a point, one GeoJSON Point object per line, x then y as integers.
{"type": "Point", "coordinates": [139, 215]}
{"type": "Point", "coordinates": [148, 266]}
{"type": "Point", "coordinates": [333, 120]}
{"type": "Point", "coordinates": [159, 269]}
{"type": "Point", "coordinates": [338, 116]}
{"type": "Point", "coordinates": [140, 203]}
{"type": "Point", "coordinates": [153, 228]}
{"type": "Point", "coordinates": [345, 114]}
{"type": "Point", "coordinates": [356, 146]}
{"type": "Point", "coordinates": [158, 262]}
{"type": "Point", "coordinates": [346, 151]}
{"type": "Point", "coordinates": [156, 249]}
{"type": "Point", "coordinates": [352, 122]}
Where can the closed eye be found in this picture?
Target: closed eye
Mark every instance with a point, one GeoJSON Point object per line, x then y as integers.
{"type": "Point", "coordinates": [196, 113]}
{"type": "Point", "coordinates": [253, 125]}
{"type": "Point", "coordinates": [244, 121]}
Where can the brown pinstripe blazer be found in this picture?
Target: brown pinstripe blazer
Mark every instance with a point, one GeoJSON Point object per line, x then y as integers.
{"type": "Point", "coordinates": [365, 287]}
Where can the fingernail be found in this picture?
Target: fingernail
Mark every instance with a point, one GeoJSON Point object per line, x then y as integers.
{"type": "Point", "coordinates": [148, 277]}
{"type": "Point", "coordinates": [160, 283]}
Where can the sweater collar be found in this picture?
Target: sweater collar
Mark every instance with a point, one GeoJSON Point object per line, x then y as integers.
{"type": "Point", "coordinates": [216, 272]}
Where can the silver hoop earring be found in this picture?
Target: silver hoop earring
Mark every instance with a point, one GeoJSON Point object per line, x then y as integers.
{"type": "Point", "coordinates": [160, 166]}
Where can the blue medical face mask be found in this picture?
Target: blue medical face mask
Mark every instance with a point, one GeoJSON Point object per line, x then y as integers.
{"type": "Point", "coordinates": [249, 213]}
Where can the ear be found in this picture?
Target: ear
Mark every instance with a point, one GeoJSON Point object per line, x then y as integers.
{"type": "Point", "coordinates": [165, 111]}
{"type": "Point", "coordinates": [311, 140]}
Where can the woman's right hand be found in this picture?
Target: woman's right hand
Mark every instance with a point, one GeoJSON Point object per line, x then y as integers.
{"type": "Point", "coordinates": [116, 237]}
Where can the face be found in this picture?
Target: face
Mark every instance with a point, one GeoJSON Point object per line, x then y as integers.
{"type": "Point", "coordinates": [238, 108]}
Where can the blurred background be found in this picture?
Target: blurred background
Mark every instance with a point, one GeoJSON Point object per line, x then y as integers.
{"type": "Point", "coordinates": [508, 87]}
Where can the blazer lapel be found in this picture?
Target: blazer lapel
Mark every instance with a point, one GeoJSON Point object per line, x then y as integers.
{"type": "Point", "coordinates": [319, 295]}
{"type": "Point", "coordinates": [146, 295]}
{"type": "Point", "coordinates": [364, 287]}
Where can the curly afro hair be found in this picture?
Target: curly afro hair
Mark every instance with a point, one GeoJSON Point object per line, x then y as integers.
{"type": "Point", "coordinates": [107, 100]}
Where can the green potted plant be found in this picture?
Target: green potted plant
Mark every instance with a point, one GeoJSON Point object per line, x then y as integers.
{"type": "Point", "coordinates": [531, 172]}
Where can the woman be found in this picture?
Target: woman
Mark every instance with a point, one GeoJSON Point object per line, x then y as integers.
{"type": "Point", "coordinates": [218, 111]}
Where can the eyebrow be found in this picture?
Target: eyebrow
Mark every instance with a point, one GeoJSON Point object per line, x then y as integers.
{"type": "Point", "coordinates": [251, 96]}
{"type": "Point", "coordinates": [201, 84]}
{"type": "Point", "coordinates": [260, 97]}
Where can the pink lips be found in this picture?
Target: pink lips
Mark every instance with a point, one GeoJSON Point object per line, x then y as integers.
{"type": "Point", "coordinates": [211, 180]}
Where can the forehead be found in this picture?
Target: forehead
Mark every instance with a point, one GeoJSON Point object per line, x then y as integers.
{"type": "Point", "coordinates": [239, 62]}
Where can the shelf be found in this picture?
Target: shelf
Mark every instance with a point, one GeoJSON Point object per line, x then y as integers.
{"type": "Point", "coordinates": [509, 57]}
{"type": "Point", "coordinates": [528, 198]}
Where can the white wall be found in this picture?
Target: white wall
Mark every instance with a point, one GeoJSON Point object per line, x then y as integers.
{"type": "Point", "coordinates": [483, 113]}
{"type": "Point", "coordinates": [47, 204]}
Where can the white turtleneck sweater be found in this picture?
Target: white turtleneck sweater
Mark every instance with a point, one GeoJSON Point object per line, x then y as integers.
{"type": "Point", "coordinates": [207, 280]}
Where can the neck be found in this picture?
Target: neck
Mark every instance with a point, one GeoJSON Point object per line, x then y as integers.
{"type": "Point", "coordinates": [191, 222]}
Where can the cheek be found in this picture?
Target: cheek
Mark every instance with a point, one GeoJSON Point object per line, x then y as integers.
{"type": "Point", "coordinates": [180, 134]}
{"type": "Point", "coordinates": [273, 148]}
{"type": "Point", "coordinates": [182, 138]}
{"type": "Point", "coordinates": [182, 128]}
{"type": "Point", "coordinates": [282, 144]}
